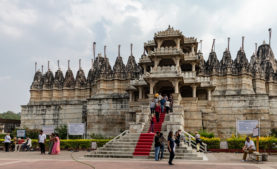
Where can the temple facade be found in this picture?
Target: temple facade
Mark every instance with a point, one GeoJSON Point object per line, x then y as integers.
{"type": "Point", "coordinates": [209, 94]}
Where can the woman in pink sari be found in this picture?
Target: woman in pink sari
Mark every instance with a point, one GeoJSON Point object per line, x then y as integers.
{"type": "Point", "coordinates": [56, 146]}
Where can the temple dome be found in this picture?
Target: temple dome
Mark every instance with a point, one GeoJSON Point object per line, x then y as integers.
{"type": "Point", "coordinates": [69, 79]}
{"type": "Point", "coordinates": [48, 79]}
{"type": "Point", "coordinates": [59, 79]}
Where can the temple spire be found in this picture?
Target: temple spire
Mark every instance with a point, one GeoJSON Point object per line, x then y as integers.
{"type": "Point", "coordinates": [213, 46]}
{"type": "Point", "coordinates": [118, 50]}
{"type": "Point", "coordinates": [242, 43]}
{"type": "Point", "coordinates": [35, 66]}
{"type": "Point", "coordinates": [59, 64]}
{"type": "Point", "coordinates": [105, 55]}
{"type": "Point", "coordinates": [80, 64]}
{"type": "Point", "coordinates": [256, 48]}
{"type": "Point", "coordinates": [68, 64]}
{"type": "Point", "coordinates": [42, 69]}
{"type": "Point", "coordinates": [131, 49]}
{"type": "Point", "coordinates": [92, 63]}
{"type": "Point", "coordinates": [94, 45]}
{"type": "Point", "coordinates": [228, 46]}
{"type": "Point", "coordinates": [201, 45]}
{"type": "Point", "coordinates": [269, 39]}
{"type": "Point", "coordinates": [48, 65]}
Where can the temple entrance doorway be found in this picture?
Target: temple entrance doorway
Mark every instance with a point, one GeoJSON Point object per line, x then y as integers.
{"type": "Point", "coordinates": [164, 87]}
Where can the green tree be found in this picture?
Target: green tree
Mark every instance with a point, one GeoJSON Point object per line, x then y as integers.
{"type": "Point", "coordinates": [10, 115]}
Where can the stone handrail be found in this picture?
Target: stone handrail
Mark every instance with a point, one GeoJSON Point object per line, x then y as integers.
{"type": "Point", "coordinates": [189, 74]}
{"type": "Point", "coordinates": [117, 137]}
{"type": "Point", "coordinates": [203, 79]}
{"type": "Point", "coordinates": [164, 69]}
{"type": "Point", "coordinates": [192, 142]}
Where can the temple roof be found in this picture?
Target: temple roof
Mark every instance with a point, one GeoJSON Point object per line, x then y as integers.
{"type": "Point", "coordinates": [69, 79]}
{"type": "Point", "coordinates": [48, 79]}
{"type": "Point", "coordinates": [81, 78]}
{"type": "Point", "coordinates": [119, 65]}
{"type": "Point", "coordinates": [38, 80]}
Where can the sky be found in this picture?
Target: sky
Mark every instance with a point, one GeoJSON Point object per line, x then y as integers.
{"type": "Point", "coordinates": [50, 30]}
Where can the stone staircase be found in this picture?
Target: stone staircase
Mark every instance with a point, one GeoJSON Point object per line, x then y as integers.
{"type": "Point", "coordinates": [122, 147]}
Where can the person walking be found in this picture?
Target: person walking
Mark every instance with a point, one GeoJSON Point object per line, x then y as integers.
{"type": "Point", "coordinates": [152, 106]}
{"type": "Point", "coordinates": [198, 141]}
{"type": "Point", "coordinates": [177, 138]}
{"type": "Point", "coordinates": [171, 147]}
{"type": "Point", "coordinates": [162, 101]}
{"type": "Point", "coordinates": [157, 112]}
{"type": "Point", "coordinates": [152, 124]}
{"type": "Point", "coordinates": [56, 146]}
{"type": "Point", "coordinates": [41, 141]}
{"type": "Point", "coordinates": [7, 141]}
{"type": "Point", "coordinates": [162, 141]}
{"type": "Point", "coordinates": [171, 103]}
{"type": "Point", "coordinates": [157, 145]}
{"type": "Point", "coordinates": [167, 106]}
{"type": "Point", "coordinates": [51, 143]}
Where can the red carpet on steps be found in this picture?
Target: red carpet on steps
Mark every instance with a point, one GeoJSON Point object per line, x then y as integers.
{"type": "Point", "coordinates": [145, 141]}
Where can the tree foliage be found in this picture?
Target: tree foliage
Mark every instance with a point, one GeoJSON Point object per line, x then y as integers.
{"type": "Point", "coordinates": [10, 115]}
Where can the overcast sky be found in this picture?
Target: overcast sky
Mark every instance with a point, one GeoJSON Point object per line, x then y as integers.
{"type": "Point", "coordinates": [41, 30]}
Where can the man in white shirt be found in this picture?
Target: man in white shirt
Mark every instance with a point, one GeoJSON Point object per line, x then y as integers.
{"type": "Point", "coordinates": [41, 141]}
{"type": "Point", "coordinates": [7, 141]}
{"type": "Point", "coordinates": [249, 147]}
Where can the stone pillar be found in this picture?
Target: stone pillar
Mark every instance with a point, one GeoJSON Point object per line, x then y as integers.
{"type": "Point", "coordinates": [130, 96]}
{"type": "Point", "coordinates": [193, 67]}
{"type": "Point", "coordinates": [159, 42]}
{"type": "Point", "coordinates": [140, 92]}
{"type": "Point", "coordinates": [178, 63]}
{"type": "Point", "coordinates": [176, 85]}
{"type": "Point", "coordinates": [178, 43]}
{"type": "Point", "coordinates": [209, 94]}
{"type": "Point", "coordinates": [144, 69]}
{"type": "Point", "coordinates": [193, 91]}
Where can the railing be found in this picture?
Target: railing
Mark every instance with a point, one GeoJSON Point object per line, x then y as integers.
{"type": "Point", "coordinates": [117, 137]}
{"type": "Point", "coordinates": [191, 141]}
{"type": "Point", "coordinates": [203, 79]}
{"type": "Point", "coordinates": [189, 75]}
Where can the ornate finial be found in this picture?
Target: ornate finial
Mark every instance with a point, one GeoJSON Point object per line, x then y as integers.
{"type": "Point", "coordinates": [201, 45]}
{"type": "Point", "coordinates": [68, 64]}
{"type": "Point", "coordinates": [256, 48]}
{"type": "Point", "coordinates": [118, 50]}
{"type": "Point", "coordinates": [35, 66]}
{"type": "Point", "coordinates": [94, 45]}
{"type": "Point", "coordinates": [42, 69]}
{"type": "Point", "coordinates": [242, 43]}
{"type": "Point", "coordinates": [263, 42]}
{"type": "Point", "coordinates": [105, 47]}
{"type": "Point", "coordinates": [168, 26]}
{"type": "Point", "coordinates": [58, 64]}
{"type": "Point", "coordinates": [269, 31]}
{"type": "Point", "coordinates": [228, 46]}
{"type": "Point", "coordinates": [213, 46]}
{"type": "Point", "coordinates": [131, 49]}
{"type": "Point", "coordinates": [79, 63]}
{"type": "Point", "coordinates": [48, 65]}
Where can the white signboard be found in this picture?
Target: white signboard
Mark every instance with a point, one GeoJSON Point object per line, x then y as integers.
{"type": "Point", "coordinates": [246, 126]}
{"type": "Point", "coordinates": [93, 145]}
{"type": "Point", "coordinates": [76, 128]}
{"type": "Point", "coordinates": [255, 132]}
{"type": "Point", "coordinates": [20, 133]}
{"type": "Point", "coordinates": [48, 130]}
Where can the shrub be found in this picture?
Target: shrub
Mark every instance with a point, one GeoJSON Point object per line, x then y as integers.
{"type": "Point", "coordinates": [212, 143]}
{"type": "Point", "coordinates": [206, 134]}
{"type": "Point", "coordinates": [265, 143]}
{"type": "Point", "coordinates": [71, 144]}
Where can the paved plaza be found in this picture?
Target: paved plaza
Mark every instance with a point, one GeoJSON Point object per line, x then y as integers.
{"type": "Point", "coordinates": [33, 160]}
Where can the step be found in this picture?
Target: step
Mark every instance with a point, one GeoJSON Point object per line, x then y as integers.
{"type": "Point", "coordinates": [110, 155]}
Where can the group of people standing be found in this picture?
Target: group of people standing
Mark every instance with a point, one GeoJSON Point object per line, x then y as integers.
{"type": "Point", "coordinates": [21, 144]}
{"type": "Point", "coordinates": [171, 142]}
{"type": "Point", "coordinates": [54, 143]}
{"type": "Point", "coordinates": [164, 104]}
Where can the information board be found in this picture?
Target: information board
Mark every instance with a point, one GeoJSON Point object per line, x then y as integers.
{"type": "Point", "coordinates": [20, 133]}
{"type": "Point", "coordinates": [246, 126]}
{"type": "Point", "coordinates": [76, 128]}
{"type": "Point", "coordinates": [48, 130]}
